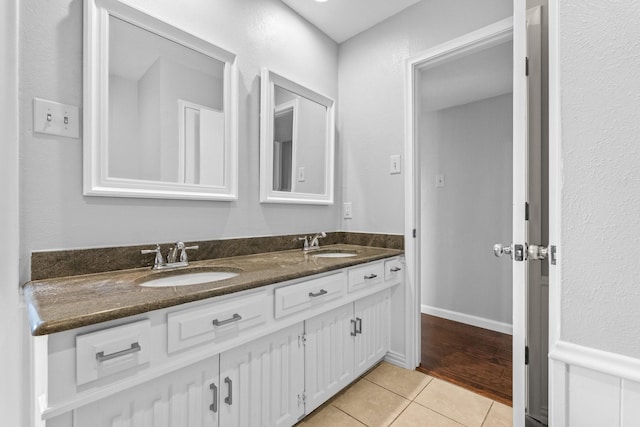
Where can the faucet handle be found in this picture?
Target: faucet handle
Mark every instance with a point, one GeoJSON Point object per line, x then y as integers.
{"type": "Point", "coordinates": [159, 259]}
{"type": "Point", "coordinates": [184, 249]}
{"type": "Point", "coordinates": [306, 241]}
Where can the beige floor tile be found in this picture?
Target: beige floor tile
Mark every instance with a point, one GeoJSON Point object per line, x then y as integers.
{"type": "Point", "coordinates": [418, 416]}
{"type": "Point", "coordinates": [455, 402]}
{"type": "Point", "coordinates": [499, 416]}
{"type": "Point", "coordinates": [404, 382]}
{"type": "Point", "coordinates": [371, 404]}
{"type": "Point", "coordinates": [330, 416]}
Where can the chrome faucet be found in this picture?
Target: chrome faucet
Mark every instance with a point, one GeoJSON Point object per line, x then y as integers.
{"type": "Point", "coordinates": [312, 242]}
{"type": "Point", "coordinates": [172, 255]}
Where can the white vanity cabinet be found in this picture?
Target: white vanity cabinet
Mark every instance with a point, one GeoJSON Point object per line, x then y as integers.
{"type": "Point", "coordinates": [181, 398]}
{"type": "Point", "coordinates": [260, 357]}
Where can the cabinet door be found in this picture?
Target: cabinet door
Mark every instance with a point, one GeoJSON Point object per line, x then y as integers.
{"type": "Point", "coordinates": [181, 398]}
{"type": "Point", "coordinates": [372, 326]}
{"type": "Point", "coordinates": [328, 355]}
{"type": "Point", "coordinates": [262, 382]}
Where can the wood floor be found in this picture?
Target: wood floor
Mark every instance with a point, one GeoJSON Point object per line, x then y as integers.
{"type": "Point", "coordinates": [474, 358]}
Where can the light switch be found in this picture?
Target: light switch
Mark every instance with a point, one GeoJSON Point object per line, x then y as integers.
{"type": "Point", "coordinates": [394, 164]}
{"type": "Point", "coordinates": [347, 208]}
{"type": "Point", "coordinates": [301, 174]}
{"type": "Point", "coordinates": [439, 180]}
{"type": "Point", "coordinates": [54, 118]}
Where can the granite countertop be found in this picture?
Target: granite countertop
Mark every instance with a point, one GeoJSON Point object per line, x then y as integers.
{"type": "Point", "coordinates": [60, 304]}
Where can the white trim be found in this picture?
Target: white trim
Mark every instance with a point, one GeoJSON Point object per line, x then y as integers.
{"type": "Point", "coordinates": [605, 362]}
{"type": "Point", "coordinates": [468, 319]}
{"type": "Point", "coordinates": [269, 80]}
{"type": "Point", "coordinates": [96, 181]}
{"type": "Point", "coordinates": [396, 358]}
{"type": "Point", "coordinates": [16, 379]}
{"type": "Point", "coordinates": [488, 36]}
{"type": "Point", "coordinates": [557, 373]}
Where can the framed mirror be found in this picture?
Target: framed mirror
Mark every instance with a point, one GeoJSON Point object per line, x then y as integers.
{"type": "Point", "coordinates": [296, 143]}
{"type": "Point", "coordinates": [160, 109]}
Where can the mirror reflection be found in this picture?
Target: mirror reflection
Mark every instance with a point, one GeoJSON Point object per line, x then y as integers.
{"type": "Point", "coordinates": [296, 143]}
{"type": "Point", "coordinates": [166, 109]}
{"type": "Point", "coordinates": [299, 143]}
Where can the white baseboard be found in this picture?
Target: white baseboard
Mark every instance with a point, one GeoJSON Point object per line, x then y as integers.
{"type": "Point", "coordinates": [468, 319]}
{"type": "Point", "coordinates": [396, 359]}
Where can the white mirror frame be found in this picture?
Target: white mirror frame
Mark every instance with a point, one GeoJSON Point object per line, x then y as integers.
{"type": "Point", "coordinates": [96, 108]}
{"type": "Point", "coordinates": [269, 80]}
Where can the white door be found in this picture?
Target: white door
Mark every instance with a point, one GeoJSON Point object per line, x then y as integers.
{"type": "Point", "coordinates": [261, 383]}
{"type": "Point", "coordinates": [186, 397]}
{"type": "Point", "coordinates": [526, 199]}
{"type": "Point", "coordinates": [372, 330]}
{"type": "Point", "coordinates": [328, 355]}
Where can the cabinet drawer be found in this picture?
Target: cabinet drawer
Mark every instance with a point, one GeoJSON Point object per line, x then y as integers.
{"type": "Point", "coordinates": [216, 321]}
{"type": "Point", "coordinates": [293, 298]}
{"type": "Point", "coordinates": [103, 353]}
{"type": "Point", "coordinates": [393, 270]}
{"type": "Point", "coordinates": [366, 276]}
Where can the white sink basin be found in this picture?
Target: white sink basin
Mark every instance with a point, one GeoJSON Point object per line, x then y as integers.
{"type": "Point", "coordinates": [189, 279]}
{"type": "Point", "coordinates": [334, 254]}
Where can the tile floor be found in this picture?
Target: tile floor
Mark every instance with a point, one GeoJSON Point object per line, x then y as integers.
{"type": "Point", "coordinates": [392, 396]}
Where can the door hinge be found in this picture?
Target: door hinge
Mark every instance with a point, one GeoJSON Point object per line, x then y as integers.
{"type": "Point", "coordinates": [526, 211]}
{"type": "Point", "coordinates": [302, 340]}
{"type": "Point", "coordinates": [526, 355]}
{"type": "Point", "coordinates": [414, 233]}
{"type": "Point", "coordinates": [553, 256]}
{"type": "Point", "coordinates": [302, 398]}
{"type": "Point", "coordinates": [526, 66]}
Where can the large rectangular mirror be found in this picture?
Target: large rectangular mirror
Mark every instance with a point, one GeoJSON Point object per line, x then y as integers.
{"type": "Point", "coordinates": [296, 143]}
{"type": "Point", "coordinates": [160, 109]}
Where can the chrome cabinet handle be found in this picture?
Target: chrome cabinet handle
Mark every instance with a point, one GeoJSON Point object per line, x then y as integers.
{"type": "Point", "coordinates": [371, 276]}
{"type": "Point", "coordinates": [358, 325]}
{"type": "Point", "coordinates": [232, 319]}
{"type": "Point", "coordinates": [101, 357]}
{"type": "Point", "coordinates": [395, 269]}
{"type": "Point", "coordinates": [228, 400]}
{"type": "Point", "coordinates": [214, 406]}
{"type": "Point", "coordinates": [317, 294]}
{"type": "Point", "coordinates": [354, 331]}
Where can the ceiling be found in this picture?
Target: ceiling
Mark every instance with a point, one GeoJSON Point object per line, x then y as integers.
{"type": "Point", "coordinates": [343, 19]}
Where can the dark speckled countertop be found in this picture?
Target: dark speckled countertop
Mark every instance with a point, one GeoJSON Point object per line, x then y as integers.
{"type": "Point", "coordinates": [60, 304]}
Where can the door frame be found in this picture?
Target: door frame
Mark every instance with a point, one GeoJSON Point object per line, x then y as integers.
{"type": "Point", "coordinates": [482, 38]}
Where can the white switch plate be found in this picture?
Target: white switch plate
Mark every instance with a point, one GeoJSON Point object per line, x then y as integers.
{"type": "Point", "coordinates": [301, 174]}
{"type": "Point", "coordinates": [347, 209]}
{"type": "Point", "coordinates": [439, 180]}
{"type": "Point", "coordinates": [54, 118]}
{"type": "Point", "coordinates": [394, 164]}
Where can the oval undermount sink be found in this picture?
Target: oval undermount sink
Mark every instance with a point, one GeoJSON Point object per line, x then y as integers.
{"type": "Point", "coordinates": [187, 279]}
{"type": "Point", "coordinates": [334, 254]}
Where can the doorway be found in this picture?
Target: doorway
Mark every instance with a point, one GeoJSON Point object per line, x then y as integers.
{"type": "Point", "coordinates": [465, 193]}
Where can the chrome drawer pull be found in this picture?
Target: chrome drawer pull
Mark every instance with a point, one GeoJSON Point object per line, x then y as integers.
{"type": "Point", "coordinates": [214, 406]}
{"type": "Point", "coordinates": [395, 269]}
{"type": "Point", "coordinates": [371, 276]}
{"type": "Point", "coordinates": [354, 331]}
{"type": "Point", "coordinates": [322, 292]}
{"type": "Point", "coordinates": [232, 319]}
{"type": "Point", "coordinates": [358, 325]}
{"type": "Point", "coordinates": [101, 357]}
{"type": "Point", "coordinates": [228, 400]}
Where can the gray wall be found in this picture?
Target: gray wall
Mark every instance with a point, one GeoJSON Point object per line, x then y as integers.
{"type": "Point", "coordinates": [55, 215]}
{"type": "Point", "coordinates": [600, 157]}
{"type": "Point", "coordinates": [471, 145]}
{"type": "Point", "coordinates": [371, 104]}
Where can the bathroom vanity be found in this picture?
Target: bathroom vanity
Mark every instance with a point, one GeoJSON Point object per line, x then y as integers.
{"type": "Point", "coordinates": [265, 347]}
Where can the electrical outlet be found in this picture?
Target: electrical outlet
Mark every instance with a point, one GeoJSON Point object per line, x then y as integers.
{"type": "Point", "coordinates": [301, 174]}
{"type": "Point", "coordinates": [439, 180]}
{"type": "Point", "coordinates": [53, 118]}
{"type": "Point", "coordinates": [394, 164]}
{"type": "Point", "coordinates": [347, 209]}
